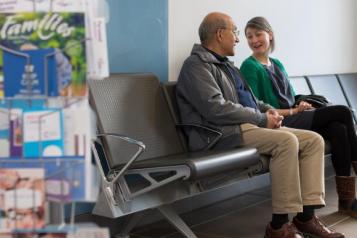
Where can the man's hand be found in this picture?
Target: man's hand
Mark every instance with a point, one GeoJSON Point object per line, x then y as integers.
{"type": "Point", "coordinates": [274, 119]}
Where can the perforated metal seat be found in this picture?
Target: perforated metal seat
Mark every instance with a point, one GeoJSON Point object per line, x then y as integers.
{"type": "Point", "coordinates": [139, 150]}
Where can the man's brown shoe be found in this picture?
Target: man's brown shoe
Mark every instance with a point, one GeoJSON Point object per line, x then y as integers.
{"type": "Point", "coordinates": [288, 230]}
{"type": "Point", "coordinates": [316, 229]}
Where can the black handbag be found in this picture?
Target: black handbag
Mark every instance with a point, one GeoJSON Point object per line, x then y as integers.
{"type": "Point", "coordinates": [315, 100]}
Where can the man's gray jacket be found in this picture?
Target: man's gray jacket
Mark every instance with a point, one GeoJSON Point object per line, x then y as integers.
{"type": "Point", "coordinates": [206, 95]}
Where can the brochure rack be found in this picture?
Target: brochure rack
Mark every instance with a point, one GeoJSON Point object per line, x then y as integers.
{"type": "Point", "coordinates": [65, 177]}
{"type": "Point", "coordinates": [32, 220]}
{"type": "Point", "coordinates": [45, 119]}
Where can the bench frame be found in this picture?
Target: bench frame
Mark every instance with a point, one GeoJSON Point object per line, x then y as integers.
{"type": "Point", "coordinates": [116, 198]}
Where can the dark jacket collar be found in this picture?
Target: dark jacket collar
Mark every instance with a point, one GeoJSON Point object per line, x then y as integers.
{"type": "Point", "coordinates": [220, 58]}
{"type": "Point", "coordinates": [208, 56]}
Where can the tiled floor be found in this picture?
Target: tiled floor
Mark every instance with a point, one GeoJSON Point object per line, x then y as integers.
{"type": "Point", "coordinates": [245, 216]}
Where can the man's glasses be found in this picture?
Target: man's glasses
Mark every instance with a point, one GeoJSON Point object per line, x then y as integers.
{"type": "Point", "coordinates": [234, 31]}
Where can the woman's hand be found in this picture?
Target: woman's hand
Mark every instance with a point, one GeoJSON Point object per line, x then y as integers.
{"type": "Point", "coordinates": [303, 106]}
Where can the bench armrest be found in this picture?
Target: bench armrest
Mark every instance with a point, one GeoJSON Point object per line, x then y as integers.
{"type": "Point", "coordinates": [141, 148]}
{"type": "Point", "coordinates": [211, 143]}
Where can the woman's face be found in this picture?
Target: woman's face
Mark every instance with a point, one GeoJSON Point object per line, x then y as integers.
{"type": "Point", "coordinates": [259, 40]}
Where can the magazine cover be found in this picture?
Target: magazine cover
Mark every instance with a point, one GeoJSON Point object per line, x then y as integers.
{"type": "Point", "coordinates": [42, 133]}
{"type": "Point", "coordinates": [22, 198]}
{"type": "Point", "coordinates": [16, 132]}
{"type": "Point", "coordinates": [41, 5]}
{"type": "Point", "coordinates": [48, 50]}
{"type": "Point", "coordinates": [1, 84]}
{"type": "Point", "coordinates": [76, 129]}
{"type": "Point", "coordinates": [66, 180]}
{"type": "Point", "coordinates": [97, 49]}
{"type": "Point", "coordinates": [4, 132]}
{"type": "Point", "coordinates": [11, 125]}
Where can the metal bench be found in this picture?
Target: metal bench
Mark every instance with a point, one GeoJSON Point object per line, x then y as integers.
{"type": "Point", "coordinates": [143, 161]}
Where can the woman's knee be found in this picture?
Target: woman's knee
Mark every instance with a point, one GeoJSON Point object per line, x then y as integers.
{"type": "Point", "coordinates": [341, 110]}
{"type": "Point", "coordinates": [334, 112]}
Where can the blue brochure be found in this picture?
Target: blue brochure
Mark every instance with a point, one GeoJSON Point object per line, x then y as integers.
{"type": "Point", "coordinates": [43, 133]}
{"type": "Point", "coordinates": [30, 73]}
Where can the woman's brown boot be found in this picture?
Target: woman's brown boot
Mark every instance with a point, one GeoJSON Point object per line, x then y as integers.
{"type": "Point", "coordinates": [354, 166]}
{"type": "Point", "coordinates": [346, 191]}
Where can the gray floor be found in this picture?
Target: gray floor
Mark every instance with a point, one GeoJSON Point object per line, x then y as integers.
{"type": "Point", "coordinates": [246, 216]}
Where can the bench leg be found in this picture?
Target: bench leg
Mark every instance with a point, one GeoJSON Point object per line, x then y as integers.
{"type": "Point", "coordinates": [174, 219]}
{"type": "Point", "coordinates": [103, 206]}
{"type": "Point", "coordinates": [130, 224]}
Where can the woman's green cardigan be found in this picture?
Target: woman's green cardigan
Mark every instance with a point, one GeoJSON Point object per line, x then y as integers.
{"type": "Point", "coordinates": [259, 80]}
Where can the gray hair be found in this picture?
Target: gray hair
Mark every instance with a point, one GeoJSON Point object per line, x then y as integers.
{"type": "Point", "coordinates": [208, 28]}
{"type": "Point", "coordinates": [262, 24]}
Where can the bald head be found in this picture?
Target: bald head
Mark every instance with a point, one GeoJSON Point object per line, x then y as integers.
{"type": "Point", "coordinates": [210, 24]}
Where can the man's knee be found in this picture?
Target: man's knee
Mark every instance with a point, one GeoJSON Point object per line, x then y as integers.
{"type": "Point", "coordinates": [316, 140]}
{"type": "Point", "coordinates": [288, 141]}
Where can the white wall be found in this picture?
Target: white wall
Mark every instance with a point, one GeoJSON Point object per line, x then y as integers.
{"type": "Point", "coordinates": [312, 36]}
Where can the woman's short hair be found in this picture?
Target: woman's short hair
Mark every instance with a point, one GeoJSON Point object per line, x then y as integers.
{"type": "Point", "coordinates": [261, 23]}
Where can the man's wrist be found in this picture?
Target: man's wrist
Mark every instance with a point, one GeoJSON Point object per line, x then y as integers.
{"type": "Point", "coordinates": [291, 112]}
{"type": "Point", "coordinates": [263, 121]}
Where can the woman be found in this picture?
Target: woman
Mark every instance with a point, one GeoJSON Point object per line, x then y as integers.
{"type": "Point", "coordinates": [269, 82]}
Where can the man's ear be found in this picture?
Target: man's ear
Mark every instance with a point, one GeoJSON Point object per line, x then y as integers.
{"type": "Point", "coordinates": [271, 35]}
{"type": "Point", "coordinates": [219, 35]}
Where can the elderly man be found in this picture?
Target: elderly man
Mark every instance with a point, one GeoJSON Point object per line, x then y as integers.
{"type": "Point", "coordinates": [211, 92]}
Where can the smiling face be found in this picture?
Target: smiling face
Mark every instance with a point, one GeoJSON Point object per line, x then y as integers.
{"type": "Point", "coordinates": [259, 41]}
